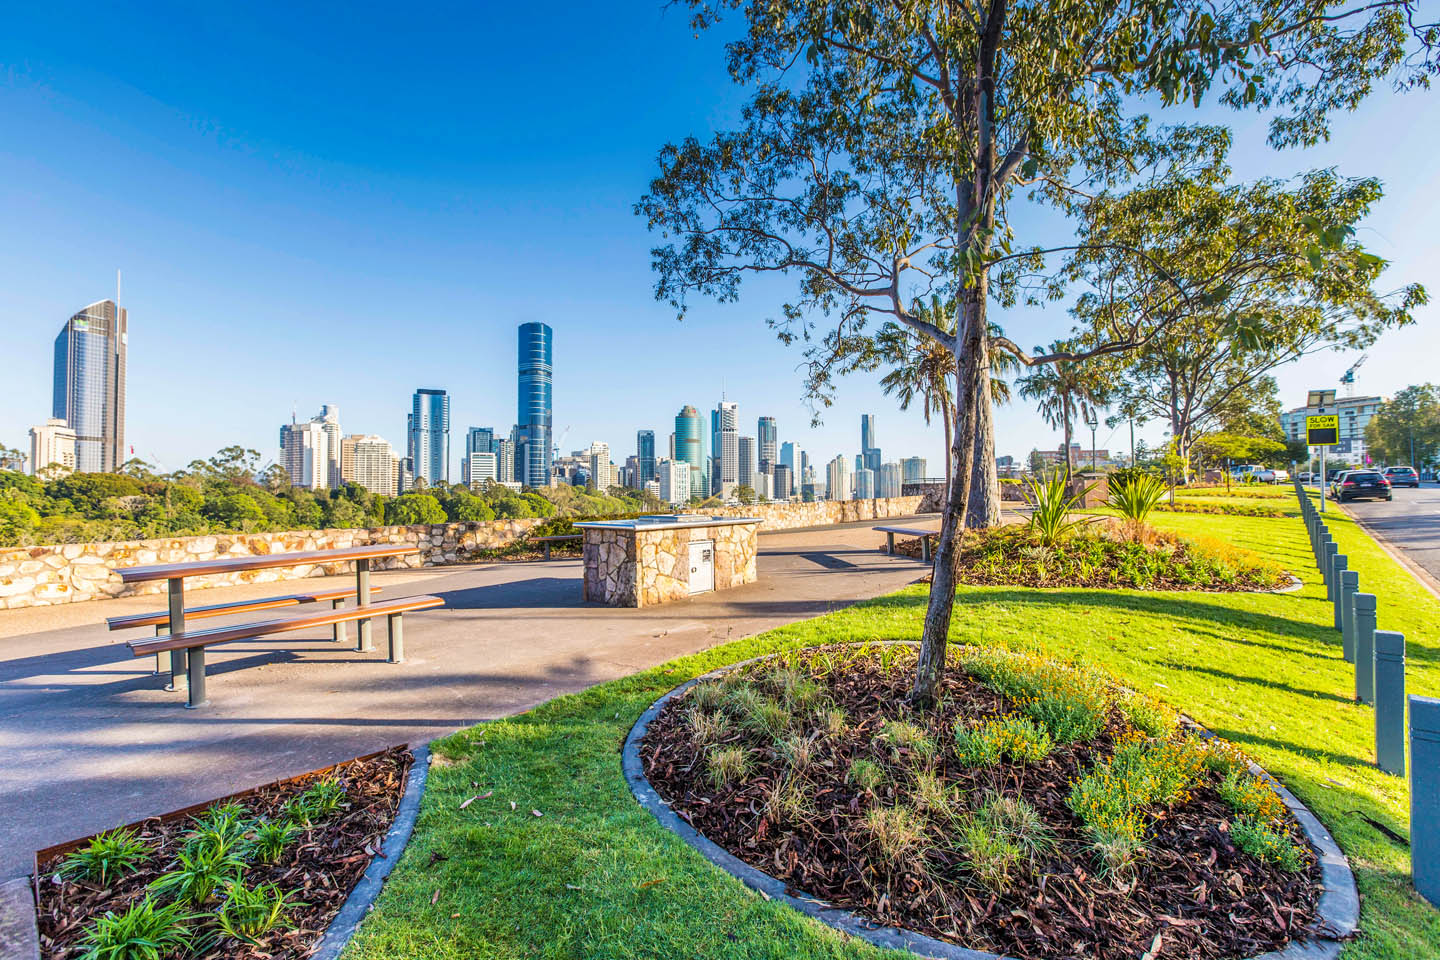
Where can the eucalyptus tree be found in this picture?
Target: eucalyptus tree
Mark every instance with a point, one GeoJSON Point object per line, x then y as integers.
{"type": "Point", "coordinates": [879, 156]}
{"type": "Point", "coordinates": [1287, 291]}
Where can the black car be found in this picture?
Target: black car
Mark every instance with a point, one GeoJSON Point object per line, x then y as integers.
{"type": "Point", "coordinates": [1402, 476]}
{"type": "Point", "coordinates": [1363, 483]}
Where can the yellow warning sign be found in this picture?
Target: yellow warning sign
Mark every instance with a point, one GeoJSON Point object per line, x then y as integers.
{"type": "Point", "coordinates": [1322, 431]}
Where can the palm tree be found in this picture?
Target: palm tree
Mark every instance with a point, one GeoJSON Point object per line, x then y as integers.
{"type": "Point", "coordinates": [1063, 390]}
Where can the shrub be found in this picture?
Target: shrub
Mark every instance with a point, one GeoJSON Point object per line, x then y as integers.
{"type": "Point", "coordinates": [867, 775]}
{"type": "Point", "coordinates": [1223, 757]}
{"type": "Point", "coordinates": [272, 837]}
{"type": "Point", "coordinates": [726, 765]}
{"type": "Point", "coordinates": [1134, 500]}
{"type": "Point", "coordinates": [1050, 521]}
{"type": "Point", "coordinates": [107, 857]}
{"type": "Point", "coordinates": [146, 931]}
{"type": "Point", "coordinates": [976, 746]}
{"type": "Point", "coordinates": [897, 833]}
{"type": "Point", "coordinates": [1018, 738]}
{"type": "Point", "coordinates": [1264, 842]}
{"type": "Point", "coordinates": [1071, 702]}
{"type": "Point", "coordinates": [251, 912]}
{"type": "Point", "coordinates": [1250, 796]}
{"type": "Point", "coordinates": [199, 872]}
{"type": "Point", "coordinates": [1150, 716]}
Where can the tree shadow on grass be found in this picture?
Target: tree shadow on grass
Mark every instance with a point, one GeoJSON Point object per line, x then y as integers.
{"type": "Point", "coordinates": [1289, 746]}
{"type": "Point", "coordinates": [1256, 681]}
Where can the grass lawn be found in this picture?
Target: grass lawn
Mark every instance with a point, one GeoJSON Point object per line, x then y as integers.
{"type": "Point", "coordinates": [595, 876]}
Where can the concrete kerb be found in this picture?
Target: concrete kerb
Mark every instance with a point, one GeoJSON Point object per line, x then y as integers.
{"type": "Point", "coordinates": [1338, 911]}
{"type": "Point", "coordinates": [20, 940]}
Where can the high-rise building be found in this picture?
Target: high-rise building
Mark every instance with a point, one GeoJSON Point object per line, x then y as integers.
{"type": "Point", "coordinates": [428, 445]}
{"type": "Point", "coordinates": [724, 445]}
{"type": "Point", "coordinates": [477, 440]}
{"type": "Point", "coordinates": [602, 471]}
{"type": "Point", "coordinates": [675, 485]}
{"type": "Point", "coordinates": [869, 450]}
{"type": "Point", "coordinates": [370, 462]}
{"type": "Point", "coordinates": [533, 452]}
{"type": "Point", "coordinates": [688, 448]}
{"type": "Point", "coordinates": [745, 465]}
{"type": "Point", "coordinates": [864, 484]}
{"type": "Point", "coordinates": [52, 445]}
{"type": "Point", "coordinates": [889, 481]}
{"type": "Point", "coordinates": [644, 457]}
{"type": "Point", "coordinates": [787, 457]}
{"type": "Point", "coordinates": [912, 469]}
{"type": "Point", "coordinates": [329, 420]}
{"type": "Point", "coordinates": [839, 480]}
{"type": "Point", "coordinates": [767, 438]}
{"type": "Point", "coordinates": [784, 482]}
{"type": "Point", "coordinates": [89, 384]}
{"type": "Point", "coordinates": [305, 453]}
{"type": "Point", "coordinates": [482, 469]}
{"type": "Point", "coordinates": [504, 461]}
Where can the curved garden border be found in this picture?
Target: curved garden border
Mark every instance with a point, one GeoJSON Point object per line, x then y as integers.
{"type": "Point", "coordinates": [1338, 911]}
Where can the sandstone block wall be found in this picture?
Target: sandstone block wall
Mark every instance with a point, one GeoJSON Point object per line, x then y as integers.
{"type": "Point", "coordinates": [73, 572]}
{"type": "Point", "coordinates": [640, 568]}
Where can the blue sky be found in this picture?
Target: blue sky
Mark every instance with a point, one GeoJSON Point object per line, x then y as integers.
{"type": "Point", "coordinates": [343, 204]}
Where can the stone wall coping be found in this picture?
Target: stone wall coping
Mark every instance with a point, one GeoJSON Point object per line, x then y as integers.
{"type": "Point", "coordinates": [680, 523]}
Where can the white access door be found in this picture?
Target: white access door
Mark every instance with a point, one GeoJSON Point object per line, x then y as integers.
{"type": "Point", "coordinates": [702, 566]}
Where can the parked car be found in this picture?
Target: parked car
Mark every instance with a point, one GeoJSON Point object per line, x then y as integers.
{"type": "Point", "coordinates": [1335, 477]}
{"type": "Point", "coordinates": [1402, 476]}
{"type": "Point", "coordinates": [1305, 476]}
{"type": "Point", "coordinates": [1254, 473]}
{"type": "Point", "coordinates": [1355, 484]}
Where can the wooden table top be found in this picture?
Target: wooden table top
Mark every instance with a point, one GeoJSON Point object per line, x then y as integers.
{"type": "Point", "coordinates": [196, 568]}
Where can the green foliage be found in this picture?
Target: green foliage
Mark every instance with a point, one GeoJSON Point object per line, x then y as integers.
{"type": "Point", "coordinates": [319, 801]}
{"type": "Point", "coordinates": [1145, 713]}
{"type": "Point", "coordinates": [867, 775]}
{"type": "Point", "coordinates": [413, 508]}
{"type": "Point", "coordinates": [249, 913]}
{"type": "Point", "coordinates": [1412, 415]}
{"type": "Point", "coordinates": [1005, 834]}
{"type": "Point", "coordinates": [1264, 842]}
{"type": "Point", "coordinates": [1250, 796]}
{"type": "Point", "coordinates": [727, 765]}
{"type": "Point", "coordinates": [896, 833]}
{"type": "Point", "coordinates": [1018, 738]}
{"type": "Point", "coordinates": [108, 856]}
{"type": "Point", "coordinates": [146, 931]}
{"type": "Point", "coordinates": [1071, 702]}
{"type": "Point", "coordinates": [199, 871]}
{"type": "Point", "coordinates": [272, 837]}
{"type": "Point", "coordinates": [1050, 520]}
{"type": "Point", "coordinates": [903, 736]}
{"type": "Point", "coordinates": [1135, 499]}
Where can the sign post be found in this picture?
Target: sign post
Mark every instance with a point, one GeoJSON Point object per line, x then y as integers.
{"type": "Point", "coordinates": [1322, 430]}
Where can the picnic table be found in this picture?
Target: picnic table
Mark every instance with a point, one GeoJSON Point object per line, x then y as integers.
{"type": "Point", "coordinates": [189, 662]}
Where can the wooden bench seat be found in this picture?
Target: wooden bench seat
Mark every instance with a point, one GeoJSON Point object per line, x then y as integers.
{"type": "Point", "coordinates": [194, 642]}
{"type": "Point", "coordinates": [556, 539]}
{"type": "Point", "coordinates": [923, 535]}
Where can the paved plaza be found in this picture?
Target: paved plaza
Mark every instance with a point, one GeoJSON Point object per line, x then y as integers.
{"type": "Point", "coordinates": [88, 739]}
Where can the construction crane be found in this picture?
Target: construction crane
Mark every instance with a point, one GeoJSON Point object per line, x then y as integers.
{"type": "Point", "coordinates": [1348, 377]}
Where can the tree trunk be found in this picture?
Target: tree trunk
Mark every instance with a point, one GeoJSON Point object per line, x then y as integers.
{"type": "Point", "coordinates": [970, 357]}
{"type": "Point", "coordinates": [946, 411]}
{"type": "Point", "coordinates": [983, 508]}
{"type": "Point", "coordinates": [1068, 434]}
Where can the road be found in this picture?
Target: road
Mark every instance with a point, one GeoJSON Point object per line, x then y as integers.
{"type": "Point", "coordinates": [1410, 523]}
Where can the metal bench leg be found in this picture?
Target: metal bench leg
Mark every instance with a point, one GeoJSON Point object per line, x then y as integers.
{"type": "Point", "coordinates": [890, 543]}
{"type": "Point", "coordinates": [339, 627]}
{"type": "Point", "coordinates": [175, 623]}
{"type": "Point", "coordinates": [161, 630]}
{"type": "Point", "coordinates": [197, 678]}
{"type": "Point", "coordinates": [397, 638]}
{"type": "Point", "coordinates": [547, 550]}
{"type": "Point", "coordinates": [362, 598]}
{"type": "Point", "coordinates": [925, 549]}
{"type": "Point", "coordinates": [177, 671]}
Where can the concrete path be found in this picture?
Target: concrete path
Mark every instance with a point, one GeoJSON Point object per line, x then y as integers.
{"type": "Point", "coordinates": [88, 740]}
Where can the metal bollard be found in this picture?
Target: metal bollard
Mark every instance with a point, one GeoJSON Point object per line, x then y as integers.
{"type": "Point", "coordinates": [1338, 565]}
{"type": "Point", "coordinates": [1364, 651]}
{"type": "Point", "coordinates": [1320, 549]}
{"type": "Point", "coordinates": [1390, 701]}
{"type": "Point", "coordinates": [1349, 586]}
{"type": "Point", "coordinates": [1425, 796]}
{"type": "Point", "coordinates": [1327, 566]}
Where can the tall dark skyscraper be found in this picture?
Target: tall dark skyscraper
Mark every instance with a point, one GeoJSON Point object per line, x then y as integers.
{"type": "Point", "coordinates": [688, 448]}
{"type": "Point", "coordinates": [644, 457]}
{"type": "Point", "coordinates": [767, 437]}
{"type": "Point", "coordinates": [89, 392]}
{"type": "Point", "coordinates": [534, 418]}
{"type": "Point", "coordinates": [869, 449]}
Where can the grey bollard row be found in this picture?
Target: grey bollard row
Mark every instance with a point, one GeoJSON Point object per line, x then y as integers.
{"type": "Point", "coordinates": [1339, 564]}
{"type": "Point", "coordinates": [1364, 650]}
{"type": "Point", "coordinates": [1320, 548]}
{"type": "Point", "coordinates": [1425, 796]}
{"type": "Point", "coordinates": [1390, 701]}
{"type": "Point", "coordinates": [1345, 601]}
{"type": "Point", "coordinates": [1327, 567]}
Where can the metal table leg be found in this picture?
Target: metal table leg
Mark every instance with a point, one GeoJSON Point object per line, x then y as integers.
{"type": "Point", "coordinates": [176, 587]}
{"type": "Point", "coordinates": [339, 632]}
{"type": "Point", "coordinates": [397, 638]}
{"type": "Point", "coordinates": [362, 598]}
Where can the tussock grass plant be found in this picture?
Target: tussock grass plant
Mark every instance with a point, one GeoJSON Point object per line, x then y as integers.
{"type": "Point", "coordinates": [1264, 842]}
{"type": "Point", "coordinates": [867, 775]}
{"type": "Point", "coordinates": [896, 833]}
{"type": "Point", "coordinates": [146, 931]}
{"type": "Point", "coordinates": [706, 696]}
{"type": "Point", "coordinates": [768, 719]}
{"type": "Point", "coordinates": [706, 727]}
{"type": "Point", "coordinates": [902, 735]}
{"type": "Point", "coordinates": [934, 796]}
{"type": "Point", "coordinates": [271, 837]}
{"type": "Point", "coordinates": [995, 841]}
{"type": "Point", "coordinates": [798, 752]}
{"type": "Point", "coordinates": [727, 765]}
{"type": "Point", "coordinates": [108, 856]}
{"type": "Point", "coordinates": [1250, 796]}
{"type": "Point", "coordinates": [742, 699]}
{"type": "Point", "coordinates": [831, 720]}
{"type": "Point", "coordinates": [199, 872]}
{"type": "Point", "coordinates": [249, 913]}
{"type": "Point", "coordinates": [788, 800]}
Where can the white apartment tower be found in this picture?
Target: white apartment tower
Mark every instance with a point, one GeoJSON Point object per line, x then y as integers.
{"type": "Point", "coordinates": [52, 444]}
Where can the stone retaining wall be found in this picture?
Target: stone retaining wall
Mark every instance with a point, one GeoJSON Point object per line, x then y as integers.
{"type": "Point", "coordinates": [73, 572]}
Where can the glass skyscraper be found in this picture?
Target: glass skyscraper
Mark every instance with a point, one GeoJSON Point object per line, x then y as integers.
{"type": "Point", "coordinates": [869, 450]}
{"type": "Point", "coordinates": [644, 457]}
{"type": "Point", "coordinates": [535, 413]}
{"type": "Point", "coordinates": [89, 386]}
{"type": "Point", "coordinates": [767, 436]}
{"type": "Point", "coordinates": [428, 444]}
{"type": "Point", "coordinates": [688, 448]}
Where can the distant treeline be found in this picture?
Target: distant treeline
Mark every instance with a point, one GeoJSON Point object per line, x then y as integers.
{"type": "Point", "coordinates": [229, 494]}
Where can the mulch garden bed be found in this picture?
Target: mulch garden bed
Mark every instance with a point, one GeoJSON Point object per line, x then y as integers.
{"type": "Point", "coordinates": [320, 867]}
{"type": "Point", "coordinates": [1191, 893]}
{"type": "Point", "coordinates": [1100, 557]}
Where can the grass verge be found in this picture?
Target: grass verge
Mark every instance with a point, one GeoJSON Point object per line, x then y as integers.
{"type": "Point", "coordinates": [593, 875]}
